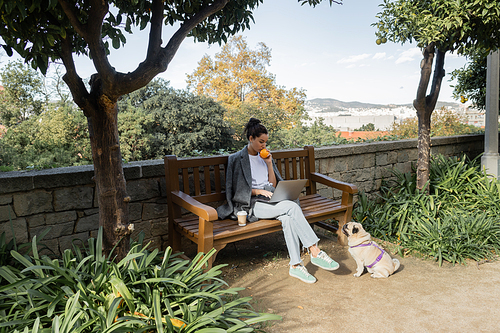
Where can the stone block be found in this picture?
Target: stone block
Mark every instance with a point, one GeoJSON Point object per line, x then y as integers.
{"type": "Point", "coordinates": [56, 218]}
{"type": "Point", "coordinates": [381, 159]}
{"type": "Point", "coordinates": [140, 190]}
{"type": "Point", "coordinates": [7, 213]}
{"type": "Point", "coordinates": [87, 223]}
{"type": "Point", "coordinates": [49, 247]}
{"type": "Point", "coordinates": [135, 211]}
{"type": "Point", "coordinates": [365, 175]}
{"type": "Point", "coordinates": [20, 228]}
{"type": "Point", "coordinates": [36, 220]}
{"type": "Point", "coordinates": [358, 162]}
{"type": "Point", "coordinates": [14, 181]}
{"type": "Point", "coordinates": [142, 226]}
{"type": "Point", "coordinates": [5, 199]}
{"type": "Point", "coordinates": [79, 239]}
{"type": "Point", "coordinates": [91, 211]}
{"type": "Point", "coordinates": [340, 164]}
{"type": "Point", "coordinates": [31, 203]}
{"type": "Point", "coordinates": [56, 230]}
{"type": "Point", "coordinates": [403, 156]}
{"type": "Point", "coordinates": [392, 157]}
{"type": "Point", "coordinates": [73, 198]}
{"type": "Point", "coordinates": [159, 227]}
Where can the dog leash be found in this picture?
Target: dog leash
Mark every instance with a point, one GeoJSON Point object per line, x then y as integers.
{"type": "Point", "coordinates": [378, 258]}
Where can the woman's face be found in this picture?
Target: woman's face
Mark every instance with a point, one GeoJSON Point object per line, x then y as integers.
{"type": "Point", "coordinates": [258, 143]}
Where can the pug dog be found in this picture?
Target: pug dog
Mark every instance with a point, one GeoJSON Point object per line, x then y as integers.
{"type": "Point", "coordinates": [367, 253]}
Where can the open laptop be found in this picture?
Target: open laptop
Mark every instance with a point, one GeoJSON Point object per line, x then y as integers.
{"type": "Point", "coordinates": [286, 190]}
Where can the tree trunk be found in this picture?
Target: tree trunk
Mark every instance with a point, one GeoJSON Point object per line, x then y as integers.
{"type": "Point", "coordinates": [110, 180]}
{"type": "Point", "coordinates": [425, 105]}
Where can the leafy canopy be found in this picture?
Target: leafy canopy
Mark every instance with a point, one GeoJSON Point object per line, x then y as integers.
{"type": "Point", "coordinates": [239, 80]}
{"type": "Point", "coordinates": [453, 25]}
{"type": "Point", "coordinates": [37, 30]}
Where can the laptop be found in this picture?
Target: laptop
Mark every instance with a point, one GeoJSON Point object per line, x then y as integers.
{"type": "Point", "coordinates": [286, 190]}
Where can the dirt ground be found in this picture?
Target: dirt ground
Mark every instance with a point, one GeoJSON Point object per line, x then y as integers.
{"type": "Point", "coordinates": [419, 297]}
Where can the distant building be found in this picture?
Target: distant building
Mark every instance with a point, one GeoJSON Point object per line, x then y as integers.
{"type": "Point", "coordinates": [351, 123]}
{"type": "Point", "coordinates": [475, 117]}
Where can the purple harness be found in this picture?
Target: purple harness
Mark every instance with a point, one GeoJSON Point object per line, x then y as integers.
{"type": "Point", "coordinates": [378, 258]}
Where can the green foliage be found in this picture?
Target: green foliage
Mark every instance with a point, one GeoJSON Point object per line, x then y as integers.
{"type": "Point", "coordinates": [452, 25]}
{"type": "Point", "coordinates": [238, 79]}
{"type": "Point", "coordinates": [471, 80]}
{"type": "Point", "coordinates": [146, 291]}
{"type": "Point", "coordinates": [318, 134]}
{"type": "Point", "coordinates": [444, 123]}
{"type": "Point", "coordinates": [55, 138]}
{"type": "Point", "coordinates": [458, 220]}
{"type": "Point", "coordinates": [158, 120]}
{"type": "Point", "coordinates": [36, 29]}
{"type": "Point", "coordinates": [367, 127]}
{"type": "Point", "coordinates": [23, 94]}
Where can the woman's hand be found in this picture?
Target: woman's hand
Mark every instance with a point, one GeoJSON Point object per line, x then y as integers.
{"type": "Point", "coordinates": [265, 193]}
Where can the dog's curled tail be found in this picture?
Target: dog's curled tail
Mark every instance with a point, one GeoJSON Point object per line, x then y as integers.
{"type": "Point", "coordinates": [396, 264]}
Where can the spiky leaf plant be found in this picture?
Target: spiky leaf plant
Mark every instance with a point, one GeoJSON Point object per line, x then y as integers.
{"type": "Point", "coordinates": [147, 291]}
{"type": "Point", "coordinates": [455, 221]}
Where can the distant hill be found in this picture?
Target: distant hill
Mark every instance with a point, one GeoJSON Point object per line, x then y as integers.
{"type": "Point", "coordinates": [334, 105]}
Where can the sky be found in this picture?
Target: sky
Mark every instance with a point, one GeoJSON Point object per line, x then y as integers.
{"type": "Point", "coordinates": [330, 51]}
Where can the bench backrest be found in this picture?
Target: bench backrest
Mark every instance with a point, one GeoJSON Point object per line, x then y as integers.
{"type": "Point", "coordinates": [203, 178]}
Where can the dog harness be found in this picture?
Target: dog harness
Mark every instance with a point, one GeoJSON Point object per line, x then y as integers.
{"type": "Point", "coordinates": [378, 258]}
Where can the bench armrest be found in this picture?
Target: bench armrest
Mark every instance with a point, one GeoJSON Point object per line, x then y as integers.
{"type": "Point", "coordinates": [194, 206]}
{"type": "Point", "coordinates": [325, 180]}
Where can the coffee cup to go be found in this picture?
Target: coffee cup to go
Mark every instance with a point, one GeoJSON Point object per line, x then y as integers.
{"type": "Point", "coordinates": [242, 218]}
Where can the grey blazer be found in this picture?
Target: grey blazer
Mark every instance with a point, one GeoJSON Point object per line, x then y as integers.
{"type": "Point", "coordinates": [239, 187]}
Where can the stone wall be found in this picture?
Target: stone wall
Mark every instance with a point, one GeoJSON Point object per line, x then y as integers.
{"type": "Point", "coordinates": [64, 199]}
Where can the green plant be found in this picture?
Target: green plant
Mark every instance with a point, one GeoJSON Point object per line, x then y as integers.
{"type": "Point", "coordinates": [146, 291]}
{"type": "Point", "coordinates": [456, 220]}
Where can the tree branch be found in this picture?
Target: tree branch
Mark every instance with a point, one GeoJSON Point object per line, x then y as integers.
{"type": "Point", "coordinates": [74, 82]}
{"type": "Point", "coordinates": [437, 79]}
{"type": "Point", "coordinates": [425, 73]}
{"type": "Point", "coordinates": [156, 63]}
{"type": "Point", "coordinates": [154, 45]}
{"type": "Point", "coordinates": [70, 12]}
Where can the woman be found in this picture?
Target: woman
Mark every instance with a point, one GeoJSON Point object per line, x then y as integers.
{"type": "Point", "coordinates": [248, 177]}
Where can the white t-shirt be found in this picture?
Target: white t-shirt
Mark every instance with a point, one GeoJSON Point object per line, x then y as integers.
{"type": "Point", "coordinates": [260, 175]}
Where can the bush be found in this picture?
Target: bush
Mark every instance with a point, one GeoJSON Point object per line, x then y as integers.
{"type": "Point", "coordinates": [457, 220]}
{"type": "Point", "coordinates": [444, 122]}
{"type": "Point", "coordinates": [146, 291]}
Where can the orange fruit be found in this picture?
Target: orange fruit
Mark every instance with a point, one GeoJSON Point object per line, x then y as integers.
{"type": "Point", "coordinates": [264, 153]}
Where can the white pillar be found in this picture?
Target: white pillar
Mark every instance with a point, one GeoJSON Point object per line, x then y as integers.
{"type": "Point", "coordinates": [490, 159]}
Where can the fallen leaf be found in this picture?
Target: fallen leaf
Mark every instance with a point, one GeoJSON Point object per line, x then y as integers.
{"type": "Point", "coordinates": [300, 307]}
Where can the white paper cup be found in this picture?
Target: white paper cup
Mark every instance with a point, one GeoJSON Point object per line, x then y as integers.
{"type": "Point", "coordinates": [242, 218]}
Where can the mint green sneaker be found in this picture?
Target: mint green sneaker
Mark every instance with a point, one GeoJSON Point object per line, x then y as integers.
{"type": "Point", "coordinates": [324, 261]}
{"type": "Point", "coordinates": [301, 273]}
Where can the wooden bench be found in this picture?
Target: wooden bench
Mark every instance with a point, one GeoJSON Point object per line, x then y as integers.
{"type": "Point", "coordinates": [196, 185]}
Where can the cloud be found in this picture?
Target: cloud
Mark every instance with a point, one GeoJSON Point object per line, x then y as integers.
{"type": "Point", "coordinates": [354, 58]}
{"type": "Point", "coordinates": [380, 55]}
{"type": "Point", "coordinates": [409, 55]}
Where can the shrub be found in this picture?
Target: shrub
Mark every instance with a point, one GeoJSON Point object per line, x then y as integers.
{"type": "Point", "coordinates": [146, 291]}
{"type": "Point", "coordinates": [457, 220]}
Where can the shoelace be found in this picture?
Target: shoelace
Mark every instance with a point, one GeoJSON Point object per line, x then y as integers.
{"type": "Point", "coordinates": [325, 257]}
{"type": "Point", "coordinates": [303, 270]}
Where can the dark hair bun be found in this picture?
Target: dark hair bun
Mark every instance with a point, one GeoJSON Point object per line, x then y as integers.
{"type": "Point", "coordinates": [254, 128]}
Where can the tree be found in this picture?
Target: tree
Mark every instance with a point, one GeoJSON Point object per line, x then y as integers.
{"type": "Point", "coordinates": [437, 26]}
{"type": "Point", "coordinates": [239, 80]}
{"type": "Point", "coordinates": [445, 122]}
{"type": "Point", "coordinates": [471, 80]}
{"type": "Point", "coordinates": [367, 127]}
{"type": "Point", "coordinates": [49, 30]}
{"type": "Point", "coordinates": [23, 94]}
{"type": "Point", "coordinates": [159, 120]}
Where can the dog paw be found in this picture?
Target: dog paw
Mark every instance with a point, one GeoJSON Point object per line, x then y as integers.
{"type": "Point", "coordinates": [357, 274]}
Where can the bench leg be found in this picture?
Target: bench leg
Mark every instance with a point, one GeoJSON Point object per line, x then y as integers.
{"type": "Point", "coordinates": [341, 238]}
{"type": "Point", "coordinates": [206, 238]}
{"type": "Point", "coordinates": [174, 238]}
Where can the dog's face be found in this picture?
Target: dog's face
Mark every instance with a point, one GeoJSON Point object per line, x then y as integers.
{"type": "Point", "coordinates": [355, 232]}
